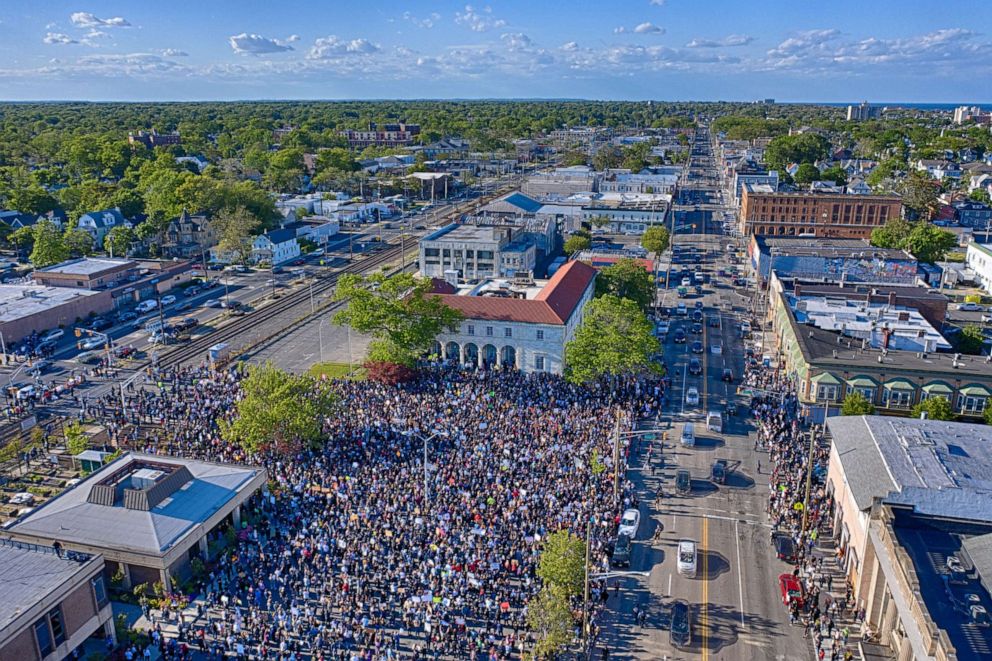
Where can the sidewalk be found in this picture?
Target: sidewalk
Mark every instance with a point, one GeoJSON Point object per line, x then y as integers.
{"type": "Point", "coordinates": [833, 604]}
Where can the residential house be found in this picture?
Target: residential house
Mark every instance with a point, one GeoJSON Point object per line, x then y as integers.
{"type": "Point", "coordinates": [939, 169]}
{"type": "Point", "coordinates": [98, 223]}
{"type": "Point", "coordinates": [15, 220]}
{"type": "Point", "coordinates": [857, 186]}
{"type": "Point", "coordinates": [199, 162]}
{"type": "Point", "coordinates": [446, 148]}
{"type": "Point", "coordinates": [970, 213]}
{"type": "Point", "coordinates": [318, 229]}
{"type": "Point", "coordinates": [276, 247]}
{"type": "Point", "coordinates": [189, 236]}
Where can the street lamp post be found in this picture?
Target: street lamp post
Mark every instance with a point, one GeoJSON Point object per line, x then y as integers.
{"type": "Point", "coordinates": [426, 440]}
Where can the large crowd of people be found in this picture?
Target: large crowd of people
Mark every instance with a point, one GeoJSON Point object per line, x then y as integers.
{"type": "Point", "coordinates": [799, 507]}
{"type": "Point", "coordinates": [350, 555]}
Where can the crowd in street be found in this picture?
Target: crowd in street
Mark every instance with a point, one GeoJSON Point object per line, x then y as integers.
{"type": "Point", "coordinates": [350, 555]}
{"type": "Point", "coordinates": [798, 506]}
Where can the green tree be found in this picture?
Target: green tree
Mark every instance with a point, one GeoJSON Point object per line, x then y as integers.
{"type": "Point", "coordinates": [936, 408]}
{"type": "Point", "coordinates": [599, 220]}
{"type": "Point", "coordinates": [118, 240]}
{"type": "Point", "coordinates": [78, 242]}
{"type": "Point", "coordinates": [615, 338]}
{"type": "Point", "coordinates": [656, 239]}
{"type": "Point", "coordinates": [929, 243]}
{"type": "Point", "coordinates": [987, 415]}
{"type": "Point", "coordinates": [399, 311]}
{"type": "Point", "coordinates": [49, 245]}
{"type": "Point", "coordinates": [627, 279]}
{"type": "Point", "coordinates": [576, 243]}
{"type": "Point", "coordinates": [806, 173]}
{"type": "Point", "coordinates": [971, 339]}
{"type": "Point", "coordinates": [892, 234]}
{"type": "Point", "coordinates": [550, 619]}
{"type": "Point", "coordinates": [835, 174]}
{"type": "Point", "coordinates": [802, 148]}
{"type": "Point", "coordinates": [278, 411]}
{"type": "Point", "coordinates": [572, 157]}
{"type": "Point", "coordinates": [980, 195]}
{"type": "Point", "coordinates": [856, 404]}
{"type": "Point", "coordinates": [236, 229]}
{"type": "Point", "coordinates": [919, 195]}
{"type": "Point", "coordinates": [22, 238]}
{"type": "Point", "coordinates": [562, 563]}
{"type": "Point", "coordinates": [76, 439]}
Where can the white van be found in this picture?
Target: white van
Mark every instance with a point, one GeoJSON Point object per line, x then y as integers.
{"type": "Point", "coordinates": [688, 438]}
{"type": "Point", "coordinates": [146, 306]}
{"type": "Point", "coordinates": [687, 558]}
{"type": "Point", "coordinates": [714, 421]}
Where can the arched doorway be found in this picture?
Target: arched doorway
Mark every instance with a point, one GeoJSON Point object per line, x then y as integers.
{"type": "Point", "coordinates": [488, 355]}
{"type": "Point", "coordinates": [452, 352]}
{"type": "Point", "coordinates": [436, 353]}
{"type": "Point", "coordinates": [508, 357]}
{"type": "Point", "coordinates": [471, 355]}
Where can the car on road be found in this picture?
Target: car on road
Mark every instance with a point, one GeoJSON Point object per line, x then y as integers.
{"type": "Point", "coordinates": [698, 305]}
{"type": "Point", "coordinates": [186, 323]}
{"type": "Point", "coordinates": [168, 300]}
{"type": "Point", "coordinates": [127, 315]}
{"type": "Point", "coordinates": [697, 316]}
{"type": "Point", "coordinates": [696, 329]}
{"type": "Point", "coordinates": [687, 558]}
{"type": "Point", "coordinates": [727, 376]}
{"type": "Point", "coordinates": [661, 328]}
{"type": "Point", "coordinates": [683, 481]}
{"type": "Point", "coordinates": [718, 472]}
{"type": "Point", "coordinates": [697, 347]}
{"type": "Point", "coordinates": [39, 367]}
{"type": "Point", "coordinates": [89, 357]}
{"type": "Point", "coordinates": [679, 336]}
{"type": "Point", "coordinates": [682, 310]}
{"type": "Point", "coordinates": [621, 551]}
{"type": "Point", "coordinates": [27, 392]}
{"type": "Point", "coordinates": [628, 523]}
{"type": "Point", "coordinates": [969, 307]}
{"type": "Point", "coordinates": [695, 367]}
{"type": "Point", "coordinates": [53, 335]}
{"type": "Point", "coordinates": [192, 291]}
{"type": "Point", "coordinates": [713, 321]}
{"type": "Point", "coordinates": [92, 343]}
{"type": "Point", "coordinates": [680, 630]}
{"type": "Point", "coordinates": [146, 306]}
{"type": "Point", "coordinates": [785, 548]}
{"type": "Point", "coordinates": [692, 396]}
{"type": "Point", "coordinates": [716, 348]}
{"type": "Point", "coordinates": [99, 324]}
{"type": "Point", "coordinates": [212, 303]}
{"type": "Point", "coordinates": [790, 590]}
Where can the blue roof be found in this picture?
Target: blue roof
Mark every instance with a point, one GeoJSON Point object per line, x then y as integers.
{"type": "Point", "coordinates": [280, 235]}
{"type": "Point", "coordinates": [522, 201]}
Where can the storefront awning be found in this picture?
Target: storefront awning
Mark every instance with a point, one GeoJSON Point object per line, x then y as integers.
{"type": "Point", "coordinates": [900, 384]}
{"type": "Point", "coordinates": [937, 388]}
{"type": "Point", "coordinates": [825, 378]}
{"type": "Point", "coordinates": [862, 382]}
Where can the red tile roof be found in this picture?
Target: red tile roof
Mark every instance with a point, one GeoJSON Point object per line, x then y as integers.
{"type": "Point", "coordinates": [553, 305]}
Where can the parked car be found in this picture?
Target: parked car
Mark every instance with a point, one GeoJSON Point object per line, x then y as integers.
{"type": "Point", "coordinates": [629, 522]}
{"type": "Point", "coordinates": [790, 589]}
{"type": "Point", "coordinates": [192, 291]}
{"type": "Point", "coordinates": [100, 323]}
{"type": "Point", "coordinates": [92, 343]}
{"type": "Point", "coordinates": [621, 551]}
{"type": "Point", "coordinates": [146, 306]}
{"type": "Point", "coordinates": [127, 315]}
{"type": "Point", "coordinates": [785, 548]}
{"type": "Point", "coordinates": [680, 632]}
{"type": "Point", "coordinates": [719, 471]}
{"type": "Point", "coordinates": [168, 300]}
{"type": "Point", "coordinates": [53, 335]}
{"type": "Point", "coordinates": [187, 323]}
{"type": "Point", "coordinates": [969, 307]}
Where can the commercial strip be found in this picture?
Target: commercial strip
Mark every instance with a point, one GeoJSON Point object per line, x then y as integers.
{"type": "Point", "coordinates": [913, 525]}
{"type": "Point", "coordinates": [831, 215]}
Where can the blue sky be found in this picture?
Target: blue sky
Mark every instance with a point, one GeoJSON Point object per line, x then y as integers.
{"type": "Point", "coordinates": [881, 50]}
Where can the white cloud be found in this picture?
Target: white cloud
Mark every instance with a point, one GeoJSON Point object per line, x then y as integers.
{"type": "Point", "coordinates": [648, 28]}
{"type": "Point", "coordinates": [570, 46]}
{"type": "Point", "coordinates": [83, 19]}
{"type": "Point", "coordinates": [174, 52]}
{"type": "Point", "coordinates": [656, 3]}
{"type": "Point", "coordinates": [425, 23]}
{"type": "Point", "coordinates": [726, 42]}
{"type": "Point", "coordinates": [256, 44]}
{"type": "Point", "coordinates": [516, 41]}
{"type": "Point", "coordinates": [58, 38]}
{"type": "Point", "coordinates": [331, 47]}
{"type": "Point", "coordinates": [805, 43]}
{"type": "Point", "coordinates": [478, 21]}
{"type": "Point", "coordinates": [292, 38]}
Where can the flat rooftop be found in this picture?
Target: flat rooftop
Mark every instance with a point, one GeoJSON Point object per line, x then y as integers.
{"type": "Point", "coordinates": [827, 248]}
{"type": "Point", "coordinates": [20, 301]}
{"type": "Point", "coordinates": [938, 468]}
{"type": "Point", "coordinates": [503, 288]}
{"type": "Point", "coordinates": [89, 266]}
{"type": "Point", "coordinates": [105, 509]}
{"type": "Point", "coordinates": [928, 544]}
{"type": "Point", "coordinates": [466, 233]}
{"type": "Point", "coordinates": [29, 572]}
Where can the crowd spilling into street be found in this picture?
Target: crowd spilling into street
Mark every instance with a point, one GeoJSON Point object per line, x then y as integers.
{"type": "Point", "coordinates": [353, 554]}
{"type": "Point", "coordinates": [799, 508]}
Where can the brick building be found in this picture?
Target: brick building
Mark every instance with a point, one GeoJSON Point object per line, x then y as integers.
{"type": "Point", "coordinates": [815, 214]}
{"type": "Point", "coordinates": [387, 135]}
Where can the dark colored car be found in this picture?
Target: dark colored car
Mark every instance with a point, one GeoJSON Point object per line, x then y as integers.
{"type": "Point", "coordinates": [728, 376]}
{"type": "Point", "coordinates": [697, 315]}
{"type": "Point", "coordinates": [100, 323]}
{"type": "Point", "coordinates": [695, 367]}
{"type": "Point", "coordinates": [713, 321]}
{"type": "Point", "coordinates": [697, 347]}
{"type": "Point", "coordinates": [785, 548]}
{"type": "Point", "coordinates": [192, 291]}
{"type": "Point", "coordinates": [683, 481]}
{"type": "Point", "coordinates": [719, 471]}
{"type": "Point", "coordinates": [697, 329]}
{"type": "Point", "coordinates": [127, 315]}
{"type": "Point", "coordinates": [680, 634]}
{"type": "Point", "coordinates": [621, 551]}
{"type": "Point", "coordinates": [699, 305]}
{"type": "Point", "coordinates": [679, 336]}
{"type": "Point", "coordinates": [187, 323]}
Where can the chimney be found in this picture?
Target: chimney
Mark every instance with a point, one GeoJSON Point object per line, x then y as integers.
{"type": "Point", "coordinates": [892, 299]}
{"type": "Point", "coordinates": [886, 334]}
{"type": "Point", "coordinates": [797, 290]}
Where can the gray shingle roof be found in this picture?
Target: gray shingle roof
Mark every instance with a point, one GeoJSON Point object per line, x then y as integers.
{"type": "Point", "coordinates": [27, 574]}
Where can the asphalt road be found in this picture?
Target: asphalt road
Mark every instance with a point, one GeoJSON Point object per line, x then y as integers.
{"type": "Point", "coordinates": [736, 610]}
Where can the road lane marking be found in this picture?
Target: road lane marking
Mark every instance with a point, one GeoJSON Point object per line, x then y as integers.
{"type": "Point", "coordinates": [704, 617]}
{"type": "Point", "coordinates": [669, 585]}
{"type": "Point", "coordinates": [740, 573]}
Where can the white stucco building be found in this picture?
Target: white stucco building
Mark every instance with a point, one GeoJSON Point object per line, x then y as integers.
{"type": "Point", "coordinates": [517, 324]}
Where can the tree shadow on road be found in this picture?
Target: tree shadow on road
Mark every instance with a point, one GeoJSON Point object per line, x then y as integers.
{"type": "Point", "coordinates": [738, 480]}
{"type": "Point", "coordinates": [709, 443]}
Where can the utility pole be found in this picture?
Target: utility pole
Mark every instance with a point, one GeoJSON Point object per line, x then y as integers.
{"type": "Point", "coordinates": [616, 460]}
{"type": "Point", "coordinates": [809, 477]}
{"type": "Point", "coordinates": [585, 594]}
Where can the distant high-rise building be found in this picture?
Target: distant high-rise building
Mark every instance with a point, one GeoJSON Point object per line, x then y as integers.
{"type": "Point", "coordinates": [964, 114]}
{"type": "Point", "coordinates": [863, 111]}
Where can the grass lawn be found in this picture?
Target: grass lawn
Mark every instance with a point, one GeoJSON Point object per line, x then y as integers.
{"type": "Point", "coordinates": [335, 370]}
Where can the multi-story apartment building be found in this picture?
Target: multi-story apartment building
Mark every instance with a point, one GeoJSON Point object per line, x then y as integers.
{"type": "Point", "coordinates": [863, 111]}
{"type": "Point", "coordinates": [154, 139]}
{"type": "Point", "coordinates": [815, 214]}
{"type": "Point", "coordinates": [388, 135]}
